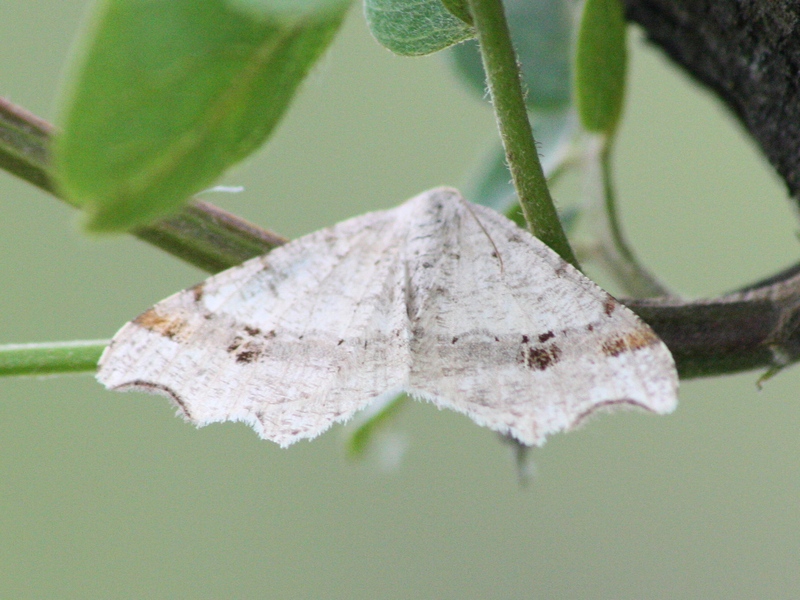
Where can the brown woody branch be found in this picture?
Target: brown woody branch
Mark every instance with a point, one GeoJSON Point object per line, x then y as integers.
{"type": "Point", "coordinates": [748, 53]}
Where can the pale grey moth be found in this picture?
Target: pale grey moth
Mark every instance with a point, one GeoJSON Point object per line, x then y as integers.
{"type": "Point", "coordinates": [448, 301]}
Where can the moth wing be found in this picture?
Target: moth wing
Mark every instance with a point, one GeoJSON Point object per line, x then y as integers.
{"type": "Point", "coordinates": [289, 342]}
{"type": "Point", "coordinates": [507, 332]}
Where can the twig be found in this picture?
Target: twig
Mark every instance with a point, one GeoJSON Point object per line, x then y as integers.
{"type": "Point", "coordinates": [201, 234]}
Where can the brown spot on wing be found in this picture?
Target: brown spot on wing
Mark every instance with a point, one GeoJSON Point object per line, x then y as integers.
{"type": "Point", "coordinates": [168, 326]}
{"type": "Point", "coordinates": [636, 340]}
{"type": "Point", "coordinates": [247, 356]}
{"type": "Point", "coordinates": [234, 345]}
{"type": "Point", "coordinates": [609, 305]}
{"type": "Point", "coordinates": [546, 336]}
{"type": "Point", "coordinates": [541, 358]}
{"type": "Point", "coordinates": [198, 291]}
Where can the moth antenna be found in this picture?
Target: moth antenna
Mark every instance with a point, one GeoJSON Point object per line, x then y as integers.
{"type": "Point", "coordinates": [491, 241]}
{"type": "Point", "coordinates": [407, 292]}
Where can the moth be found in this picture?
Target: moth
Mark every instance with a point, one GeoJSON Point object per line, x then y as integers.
{"type": "Point", "coordinates": [445, 300]}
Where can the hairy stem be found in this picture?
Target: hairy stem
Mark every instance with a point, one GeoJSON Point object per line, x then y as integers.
{"type": "Point", "coordinates": [503, 76]}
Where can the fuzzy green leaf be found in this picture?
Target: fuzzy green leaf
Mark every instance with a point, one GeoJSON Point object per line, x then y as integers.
{"type": "Point", "coordinates": [170, 94]}
{"type": "Point", "coordinates": [542, 34]}
{"type": "Point", "coordinates": [415, 27]}
{"type": "Point", "coordinates": [459, 8]}
{"type": "Point", "coordinates": [600, 63]}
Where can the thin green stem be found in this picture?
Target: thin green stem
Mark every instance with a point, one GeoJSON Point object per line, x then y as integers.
{"type": "Point", "coordinates": [611, 204]}
{"type": "Point", "coordinates": [633, 275]}
{"type": "Point", "coordinates": [50, 358]}
{"type": "Point", "coordinates": [209, 237]}
{"type": "Point", "coordinates": [503, 76]}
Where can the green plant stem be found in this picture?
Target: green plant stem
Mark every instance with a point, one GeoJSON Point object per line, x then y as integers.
{"type": "Point", "coordinates": [209, 238]}
{"type": "Point", "coordinates": [503, 76]}
{"type": "Point", "coordinates": [636, 279]}
{"type": "Point", "coordinates": [50, 358]}
{"type": "Point", "coordinates": [611, 203]}
{"type": "Point", "coordinates": [24, 140]}
{"type": "Point", "coordinates": [200, 233]}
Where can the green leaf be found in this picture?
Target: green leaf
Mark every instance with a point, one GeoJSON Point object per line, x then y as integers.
{"type": "Point", "coordinates": [415, 27]}
{"type": "Point", "coordinates": [169, 94]}
{"type": "Point", "coordinates": [365, 432]}
{"type": "Point", "coordinates": [459, 8]}
{"type": "Point", "coordinates": [600, 62]}
{"type": "Point", "coordinates": [542, 34]}
{"type": "Point", "coordinates": [285, 9]}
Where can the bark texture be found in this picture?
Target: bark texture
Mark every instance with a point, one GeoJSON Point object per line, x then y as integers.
{"type": "Point", "coordinates": [748, 53]}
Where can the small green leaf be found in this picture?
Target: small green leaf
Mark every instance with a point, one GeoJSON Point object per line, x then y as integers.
{"type": "Point", "coordinates": [170, 94]}
{"type": "Point", "coordinates": [459, 8]}
{"type": "Point", "coordinates": [365, 432]}
{"type": "Point", "coordinates": [415, 27]}
{"type": "Point", "coordinates": [542, 34]}
{"type": "Point", "coordinates": [600, 62]}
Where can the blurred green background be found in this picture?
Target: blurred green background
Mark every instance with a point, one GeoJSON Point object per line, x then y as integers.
{"type": "Point", "coordinates": [108, 495]}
